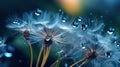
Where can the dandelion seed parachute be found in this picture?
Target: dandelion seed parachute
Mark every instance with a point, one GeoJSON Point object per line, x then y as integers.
{"type": "Point", "coordinates": [76, 37]}
{"type": "Point", "coordinates": [105, 50]}
{"type": "Point", "coordinates": [41, 28]}
{"type": "Point", "coordinates": [3, 48]}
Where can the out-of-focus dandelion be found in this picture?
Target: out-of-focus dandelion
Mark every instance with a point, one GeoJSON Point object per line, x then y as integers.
{"type": "Point", "coordinates": [3, 48]}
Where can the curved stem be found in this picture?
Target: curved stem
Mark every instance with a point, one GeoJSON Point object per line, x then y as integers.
{"type": "Point", "coordinates": [38, 59]}
{"type": "Point", "coordinates": [78, 62]}
{"type": "Point", "coordinates": [53, 65]}
{"type": "Point", "coordinates": [46, 54]}
{"type": "Point", "coordinates": [31, 53]}
{"type": "Point", "coordinates": [83, 63]}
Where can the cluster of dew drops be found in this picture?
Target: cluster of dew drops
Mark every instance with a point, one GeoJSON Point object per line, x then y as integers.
{"type": "Point", "coordinates": [75, 24]}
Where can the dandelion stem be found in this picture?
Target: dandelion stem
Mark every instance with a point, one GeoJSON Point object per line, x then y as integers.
{"type": "Point", "coordinates": [31, 53]}
{"type": "Point", "coordinates": [46, 54]}
{"type": "Point", "coordinates": [78, 62]}
{"type": "Point", "coordinates": [83, 63]}
{"type": "Point", "coordinates": [62, 57]}
{"type": "Point", "coordinates": [38, 59]}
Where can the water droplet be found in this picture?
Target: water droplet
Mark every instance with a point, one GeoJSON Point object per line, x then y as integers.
{"type": "Point", "coordinates": [111, 30]}
{"type": "Point", "coordinates": [0, 42]}
{"type": "Point", "coordinates": [16, 22]}
{"type": "Point", "coordinates": [84, 26]}
{"type": "Point", "coordinates": [114, 39]}
{"type": "Point", "coordinates": [64, 19]}
{"type": "Point", "coordinates": [66, 65]}
{"type": "Point", "coordinates": [61, 12]}
{"type": "Point", "coordinates": [8, 55]}
{"type": "Point", "coordinates": [48, 40]}
{"type": "Point", "coordinates": [38, 12]}
{"type": "Point", "coordinates": [101, 16]}
{"type": "Point", "coordinates": [79, 19]}
{"type": "Point", "coordinates": [75, 24]}
{"type": "Point", "coordinates": [108, 54]}
{"type": "Point", "coordinates": [118, 43]}
{"type": "Point", "coordinates": [83, 45]}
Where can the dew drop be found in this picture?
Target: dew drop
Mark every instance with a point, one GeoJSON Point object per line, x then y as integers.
{"type": "Point", "coordinates": [17, 23]}
{"type": "Point", "coordinates": [114, 39]}
{"type": "Point", "coordinates": [84, 26]}
{"type": "Point", "coordinates": [83, 45]}
{"type": "Point", "coordinates": [111, 30]}
{"type": "Point", "coordinates": [118, 43]}
{"type": "Point", "coordinates": [75, 24]}
{"type": "Point", "coordinates": [108, 54]}
{"type": "Point", "coordinates": [8, 55]}
{"type": "Point", "coordinates": [48, 40]}
{"type": "Point", "coordinates": [101, 16]}
{"type": "Point", "coordinates": [79, 19]}
{"type": "Point", "coordinates": [0, 42]}
{"type": "Point", "coordinates": [66, 65]}
{"type": "Point", "coordinates": [64, 19]}
{"type": "Point", "coordinates": [61, 12]}
{"type": "Point", "coordinates": [38, 12]}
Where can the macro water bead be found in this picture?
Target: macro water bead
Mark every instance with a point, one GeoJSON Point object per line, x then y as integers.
{"type": "Point", "coordinates": [48, 40]}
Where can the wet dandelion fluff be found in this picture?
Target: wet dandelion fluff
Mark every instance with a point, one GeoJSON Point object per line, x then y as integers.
{"type": "Point", "coordinates": [80, 38]}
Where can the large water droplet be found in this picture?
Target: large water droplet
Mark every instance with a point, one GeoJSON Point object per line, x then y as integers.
{"type": "Point", "coordinates": [84, 26]}
{"type": "Point", "coordinates": [108, 54]}
{"type": "Point", "coordinates": [48, 41]}
{"type": "Point", "coordinates": [75, 24]}
{"type": "Point", "coordinates": [111, 30]}
{"type": "Point", "coordinates": [38, 12]}
{"type": "Point", "coordinates": [8, 55]}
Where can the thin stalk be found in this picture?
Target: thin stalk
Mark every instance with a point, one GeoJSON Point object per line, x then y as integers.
{"type": "Point", "coordinates": [46, 54]}
{"type": "Point", "coordinates": [38, 59]}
